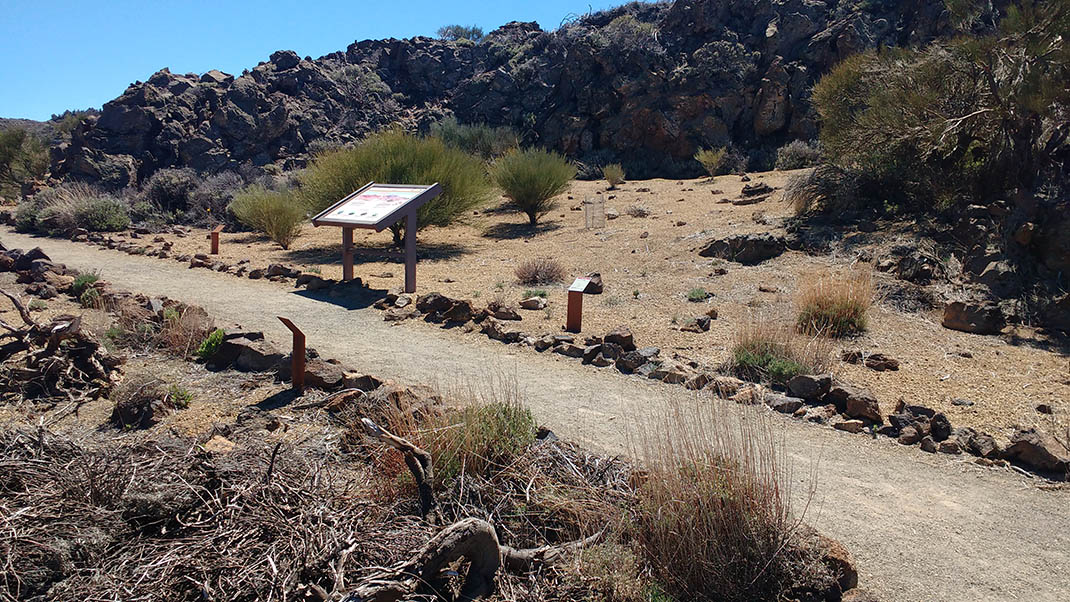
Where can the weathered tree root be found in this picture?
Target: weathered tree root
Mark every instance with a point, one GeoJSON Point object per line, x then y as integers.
{"type": "Point", "coordinates": [473, 540]}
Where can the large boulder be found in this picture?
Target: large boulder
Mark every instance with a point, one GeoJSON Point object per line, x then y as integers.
{"type": "Point", "coordinates": [855, 402]}
{"type": "Point", "coordinates": [621, 336]}
{"type": "Point", "coordinates": [1040, 451]}
{"type": "Point", "coordinates": [748, 249]}
{"type": "Point", "coordinates": [978, 318]}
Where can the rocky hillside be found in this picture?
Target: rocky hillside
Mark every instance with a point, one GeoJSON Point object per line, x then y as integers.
{"type": "Point", "coordinates": [644, 84]}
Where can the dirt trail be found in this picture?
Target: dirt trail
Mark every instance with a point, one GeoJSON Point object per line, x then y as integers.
{"type": "Point", "coordinates": [921, 527]}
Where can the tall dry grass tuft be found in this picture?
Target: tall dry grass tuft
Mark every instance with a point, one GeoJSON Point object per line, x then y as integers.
{"type": "Point", "coordinates": [715, 520]}
{"type": "Point", "coordinates": [835, 305]}
{"type": "Point", "coordinates": [767, 351]}
{"type": "Point", "coordinates": [540, 270]}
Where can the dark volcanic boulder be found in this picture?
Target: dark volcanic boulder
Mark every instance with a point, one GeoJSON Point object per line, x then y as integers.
{"type": "Point", "coordinates": [747, 249]}
{"type": "Point", "coordinates": [978, 318]}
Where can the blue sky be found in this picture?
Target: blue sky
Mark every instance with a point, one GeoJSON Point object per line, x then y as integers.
{"type": "Point", "coordinates": [60, 55]}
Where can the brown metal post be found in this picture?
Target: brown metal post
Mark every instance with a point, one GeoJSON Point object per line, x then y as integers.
{"type": "Point", "coordinates": [347, 254]}
{"type": "Point", "coordinates": [297, 366]}
{"type": "Point", "coordinates": [410, 252]}
{"type": "Point", "coordinates": [574, 317]}
{"type": "Point", "coordinates": [215, 239]}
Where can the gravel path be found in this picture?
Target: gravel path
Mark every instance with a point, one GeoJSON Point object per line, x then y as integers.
{"type": "Point", "coordinates": [921, 527]}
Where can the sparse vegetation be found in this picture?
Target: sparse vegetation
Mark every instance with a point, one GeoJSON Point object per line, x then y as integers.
{"type": "Point", "coordinates": [532, 178]}
{"type": "Point", "coordinates": [90, 298]}
{"type": "Point", "coordinates": [37, 305]}
{"type": "Point", "coordinates": [697, 295]}
{"type": "Point", "coordinates": [535, 293]}
{"type": "Point", "coordinates": [540, 270]}
{"type": "Point", "coordinates": [772, 352]}
{"type": "Point", "coordinates": [277, 214]}
{"type": "Point", "coordinates": [395, 156]}
{"type": "Point", "coordinates": [637, 211]}
{"type": "Point", "coordinates": [83, 281]}
{"type": "Point", "coordinates": [721, 160]}
{"type": "Point", "coordinates": [23, 159]}
{"type": "Point", "coordinates": [835, 305]}
{"type": "Point", "coordinates": [61, 210]}
{"type": "Point", "coordinates": [614, 175]}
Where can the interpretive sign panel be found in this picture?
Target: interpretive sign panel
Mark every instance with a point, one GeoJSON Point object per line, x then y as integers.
{"type": "Point", "coordinates": [379, 206]}
{"type": "Point", "coordinates": [376, 205]}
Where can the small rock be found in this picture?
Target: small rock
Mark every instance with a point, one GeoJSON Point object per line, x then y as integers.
{"type": "Point", "coordinates": [621, 336]}
{"type": "Point", "coordinates": [810, 387]}
{"type": "Point", "coordinates": [569, 350]}
{"type": "Point", "coordinates": [644, 235]}
{"type": "Point", "coordinates": [1044, 408]}
{"type": "Point", "coordinates": [950, 446]}
{"type": "Point", "coordinates": [958, 401]}
{"type": "Point", "coordinates": [983, 318]}
{"type": "Point", "coordinates": [939, 427]}
{"type": "Point", "coordinates": [459, 313]}
{"type": "Point", "coordinates": [533, 303]}
{"type": "Point", "coordinates": [595, 287]}
{"type": "Point", "coordinates": [856, 402]}
{"type": "Point", "coordinates": [397, 314]}
{"type": "Point", "coordinates": [909, 435]}
{"type": "Point", "coordinates": [928, 445]}
{"type": "Point", "coordinates": [256, 274]}
{"type": "Point", "coordinates": [699, 324]}
{"type": "Point", "coordinates": [851, 426]}
{"type": "Point", "coordinates": [1038, 450]}
{"type": "Point", "coordinates": [507, 313]}
{"type": "Point", "coordinates": [821, 414]}
{"type": "Point", "coordinates": [783, 403]}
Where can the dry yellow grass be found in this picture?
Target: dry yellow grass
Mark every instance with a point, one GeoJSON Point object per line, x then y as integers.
{"type": "Point", "coordinates": [833, 304]}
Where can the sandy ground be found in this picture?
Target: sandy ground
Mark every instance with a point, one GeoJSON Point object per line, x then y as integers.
{"type": "Point", "coordinates": [647, 280]}
{"type": "Point", "coordinates": [922, 527]}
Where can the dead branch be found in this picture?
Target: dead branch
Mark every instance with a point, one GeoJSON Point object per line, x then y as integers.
{"type": "Point", "coordinates": [23, 312]}
{"type": "Point", "coordinates": [417, 459]}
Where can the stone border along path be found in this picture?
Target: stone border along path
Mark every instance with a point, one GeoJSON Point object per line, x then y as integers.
{"type": "Point", "coordinates": [921, 527]}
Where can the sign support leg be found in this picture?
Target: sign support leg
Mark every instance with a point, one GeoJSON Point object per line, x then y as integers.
{"type": "Point", "coordinates": [297, 362]}
{"type": "Point", "coordinates": [574, 316]}
{"type": "Point", "coordinates": [347, 254]}
{"type": "Point", "coordinates": [410, 253]}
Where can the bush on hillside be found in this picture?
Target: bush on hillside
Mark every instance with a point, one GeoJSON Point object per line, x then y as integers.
{"type": "Point", "coordinates": [959, 121]}
{"type": "Point", "coordinates": [170, 189]}
{"type": "Point", "coordinates": [721, 160]}
{"type": "Point", "coordinates": [797, 154]}
{"type": "Point", "coordinates": [531, 179]}
{"type": "Point", "coordinates": [277, 214]}
{"type": "Point", "coordinates": [399, 158]}
{"type": "Point", "coordinates": [472, 33]}
{"type": "Point", "coordinates": [479, 139]}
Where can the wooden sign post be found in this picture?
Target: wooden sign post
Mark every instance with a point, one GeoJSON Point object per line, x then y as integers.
{"type": "Point", "coordinates": [215, 239]}
{"type": "Point", "coordinates": [377, 207]}
{"type": "Point", "coordinates": [574, 315]}
{"type": "Point", "coordinates": [297, 363]}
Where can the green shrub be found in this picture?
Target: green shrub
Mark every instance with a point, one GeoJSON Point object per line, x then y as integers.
{"type": "Point", "coordinates": [697, 295]}
{"type": "Point", "coordinates": [394, 157]}
{"type": "Point", "coordinates": [797, 155]}
{"type": "Point", "coordinates": [178, 397]}
{"type": "Point", "coordinates": [614, 174]}
{"type": "Point", "coordinates": [768, 352]}
{"type": "Point", "coordinates": [103, 214]}
{"type": "Point", "coordinates": [531, 178]}
{"type": "Point", "coordinates": [711, 159]}
{"type": "Point", "coordinates": [83, 281]}
{"type": "Point", "coordinates": [60, 210]}
{"type": "Point", "coordinates": [529, 293]}
{"type": "Point", "coordinates": [472, 33]}
{"type": "Point", "coordinates": [90, 298]}
{"type": "Point", "coordinates": [37, 305]}
{"type": "Point", "coordinates": [277, 214]}
{"type": "Point", "coordinates": [477, 439]}
{"type": "Point", "coordinates": [478, 139]}
{"type": "Point", "coordinates": [210, 345]}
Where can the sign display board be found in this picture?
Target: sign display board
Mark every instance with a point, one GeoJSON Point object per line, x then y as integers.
{"type": "Point", "coordinates": [376, 205]}
{"type": "Point", "coordinates": [379, 206]}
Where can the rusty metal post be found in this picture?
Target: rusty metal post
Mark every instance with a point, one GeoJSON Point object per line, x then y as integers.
{"type": "Point", "coordinates": [215, 239]}
{"type": "Point", "coordinates": [347, 253]}
{"type": "Point", "coordinates": [574, 318]}
{"type": "Point", "coordinates": [410, 252]}
{"type": "Point", "coordinates": [297, 366]}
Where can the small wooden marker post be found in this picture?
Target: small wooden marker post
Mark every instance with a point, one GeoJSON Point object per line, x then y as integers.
{"type": "Point", "coordinates": [215, 239]}
{"type": "Point", "coordinates": [297, 367]}
{"type": "Point", "coordinates": [574, 316]}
